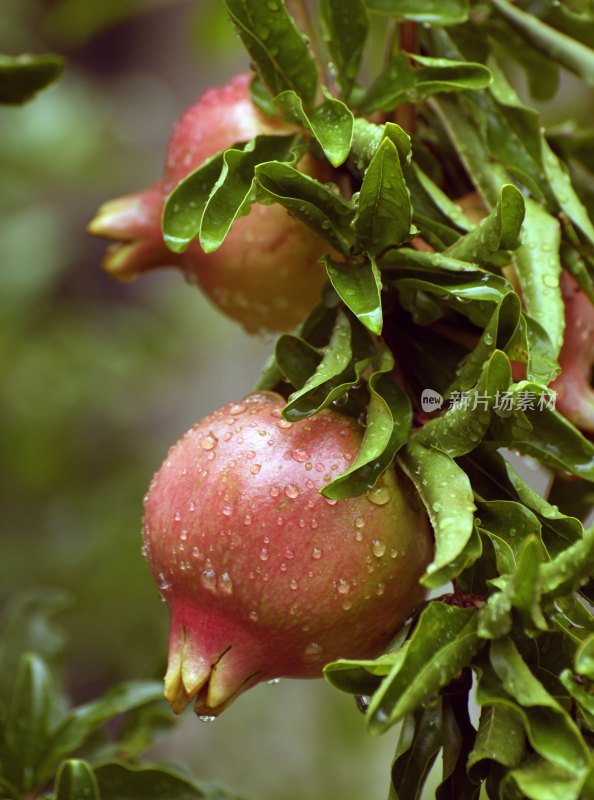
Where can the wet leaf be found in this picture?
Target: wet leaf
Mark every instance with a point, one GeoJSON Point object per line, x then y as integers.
{"type": "Point", "coordinates": [389, 416]}
{"type": "Point", "coordinates": [345, 24]}
{"type": "Point", "coordinates": [359, 285]}
{"type": "Point", "coordinates": [446, 493]}
{"type": "Point", "coordinates": [119, 782]}
{"type": "Point", "coordinates": [441, 644]}
{"type": "Point", "coordinates": [500, 737]}
{"type": "Point", "coordinates": [384, 213]}
{"type": "Point", "coordinates": [418, 746]}
{"type": "Point", "coordinates": [262, 26]}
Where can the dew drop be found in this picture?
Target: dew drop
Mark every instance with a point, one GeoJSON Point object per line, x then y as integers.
{"type": "Point", "coordinates": [359, 523]}
{"type": "Point", "coordinates": [274, 491]}
{"type": "Point", "coordinates": [289, 554]}
{"type": "Point", "coordinates": [378, 548]}
{"type": "Point", "coordinates": [293, 584]}
{"type": "Point", "coordinates": [379, 496]}
{"type": "Point", "coordinates": [331, 501]}
{"type": "Point", "coordinates": [206, 718]}
{"type": "Point", "coordinates": [291, 490]}
{"type": "Point", "coordinates": [300, 455]}
{"type": "Point", "coordinates": [225, 583]}
{"type": "Point", "coordinates": [316, 553]}
{"type": "Point", "coordinates": [283, 423]}
{"type": "Point", "coordinates": [255, 468]}
{"type": "Point", "coordinates": [227, 511]}
{"type": "Point", "coordinates": [380, 589]}
{"type": "Point", "coordinates": [263, 555]}
{"type": "Point", "coordinates": [313, 648]}
{"type": "Point", "coordinates": [237, 409]}
{"type": "Point", "coordinates": [177, 516]}
{"type": "Point", "coordinates": [347, 604]}
{"type": "Point", "coordinates": [343, 586]}
{"type": "Point", "coordinates": [247, 520]}
{"type": "Point", "coordinates": [253, 616]}
{"type": "Point", "coordinates": [209, 579]}
{"type": "Point", "coordinates": [273, 681]}
{"type": "Point", "coordinates": [209, 442]}
{"type": "Point", "coordinates": [319, 467]}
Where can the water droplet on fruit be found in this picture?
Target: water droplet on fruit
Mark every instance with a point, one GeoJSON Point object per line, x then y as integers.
{"type": "Point", "coordinates": [331, 501]}
{"type": "Point", "coordinates": [380, 589]}
{"type": "Point", "coordinates": [313, 649]}
{"type": "Point", "coordinates": [284, 423]}
{"type": "Point", "coordinates": [177, 516]}
{"type": "Point", "coordinates": [225, 583]}
{"type": "Point", "coordinates": [300, 455]}
{"type": "Point", "coordinates": [209, 442]}
{"type": "Point", "coordinates": [263, 556]}
{"type": "Point", "coordinates": [209, 579]}
{"type": "Point", "coordinates": [247, 520]}
{"type": "Point", "coordinates": [227, 511]}
{"type": "Point", "coordinates": [273, 682]}
{"type": "Point", "coordinates": [289, 554]}
{"type": "Point", "coordinates": [378, 548]}
{"type": "Point", "coordinates": [343, 586]}
{"type": "Point", "coordinates": [253, 616]}
{"type": "Point", "coordinates": [319, 467]}
{"type": "Point", "coordinates": [379, 496]}
{"type": "Point", "coordinates": [293, 584]}
{"type": "Point", "coordinates": [274, 491]}
{"type": "Point", "coordinates": [291, 490]}
{"type": "Point", "coordinates": [237, 408]}
{"type": "Point", "coordinates": [316, 553]}
{"type": "Point", "coordinates": [255, 468]}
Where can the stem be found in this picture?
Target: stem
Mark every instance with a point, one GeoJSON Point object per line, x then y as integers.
{"type": "Point", "coordinates": [405, 114]}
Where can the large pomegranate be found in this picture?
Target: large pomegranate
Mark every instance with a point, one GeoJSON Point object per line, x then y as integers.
{"type": "Point", "coordinates": [265, 274]}
{"type": "Point", "coordinates": [265, 577]}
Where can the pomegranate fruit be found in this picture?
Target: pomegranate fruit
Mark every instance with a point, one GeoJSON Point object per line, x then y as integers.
{"type": "Point", "coordinates": [575, 395]}
{"type": "Point", "coordinates": [265, 274]}
{"type": "Point", "coordinates": [264, 576]}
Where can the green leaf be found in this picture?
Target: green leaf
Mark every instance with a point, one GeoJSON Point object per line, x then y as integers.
{"type": "Point", "coordinates": [75, 781]}
{"type": "Point", "coordinates": [232, 194]}
{"type": "Point", "coordinates": [572, 567]}
{"type": "Point", "coordinates": [337, 371]}
{"type": "Point", "coordinates": [389, 417]}
{"type": "Point", "coordinates": [119, 782]}
{"type": "Point", "coordinates": [367, 138]}
{"type": "Point", "coordinates": [435, 12]}
{"type": "Point", "coordinates": [21, 77]}
{"type": "Point", "coordinates": [442, 643]}
{"type": "Point", "coordinates": [420, 741]}
{"type": "Point", "coordinates": [345, 24]}
{"type": "Point", "coordinates": [446, 493]}
{"type": "Point", "coordinates": [384, 213]}
{"type": "Point", "coordinates": [30, 717]}
{"type": "Point", "coordinates": [500, 738]}
{"type": "Point", "coordinates": [499, 231]}
{"type": "Point", "coordinates": [565, 194]}
{"type": "Point", "coordinates": [539, 269]}
{"type": "Point", "coordinates": [538, 779]}
{"type": "Point", "coordinates": [359, 286]}
{"type": "Point", "coordinates": [541, 712]}
{"type": "Point", "coordinates": [331, 123]}
{"type": "Point", "coordinates": [315, 204]}
{"type": "Point", "coordinates": [584, 657]}
{"type": "Point", "coordinates": [184, 208]}
{"type": "Point", "coordinates": [279, 52]}
{"type": "Point", "coordinates": [558, 46]}
{"type": "Point", "coordinates": [83, 721]}
{"type": "Point", "coordinates": [401, 82]}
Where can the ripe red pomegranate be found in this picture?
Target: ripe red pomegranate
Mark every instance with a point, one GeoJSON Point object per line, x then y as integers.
{"type": "Point", "coordinates": [265, 577]}
{"type": "Point", "coordinates": [575, 395]}
{"type": "Point", "coordinates": [265, 274]}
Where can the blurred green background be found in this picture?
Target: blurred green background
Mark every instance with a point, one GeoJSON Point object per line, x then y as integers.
{"type": "Point", "coordinates": [99, 378]}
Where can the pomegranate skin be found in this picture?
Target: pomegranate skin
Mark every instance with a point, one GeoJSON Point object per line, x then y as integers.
{"type": "Point", "coordinates": [265, 577]}
{"type": "Point", "coordinates": [265, 274]}
{"type": "Point", "coordinates": [575, 396]}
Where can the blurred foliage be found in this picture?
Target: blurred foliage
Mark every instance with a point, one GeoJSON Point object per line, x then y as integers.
{"type": "Point", "coordinates": [98, 378]}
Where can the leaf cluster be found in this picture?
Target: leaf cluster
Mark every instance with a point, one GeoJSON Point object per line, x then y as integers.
{"type": "Point", "coordinates": [49, 749]}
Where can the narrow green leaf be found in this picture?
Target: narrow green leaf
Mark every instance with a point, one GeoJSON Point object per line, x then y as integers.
{"type": "Point", "coordinates": [420, 741]}
{"type": "Point", "coordinates": [389, 417]}
{"type": "Point", "coordinates": [331, 123]}
{"type": "Point", "coordinates": [21, 77]}
{"type": "Point", "coordinates": [263, 25]}
{"type": "Point", "coordinates": [232, 194]}
{"type": "Point", "coordinates": [75, 781]}
{"type": "Point", "coordinates": [498, 231]}
{"type": "Point", "coordinates": [565, 194]}
{"type": "Point", "coordinates": [566, 749]}
{"type": "Point", "coordinates": [30, 717]}
{"type": "Point", "coordinates": [314, 203]}
{"type": "Point", "coordinates": [538, 779]}
{"type": "Point", "coordinates": [446, 493]}
{"type": "Point", "coordinates": [571, 567]}
{"type": "Point", "coordinates": [434, 12]}
{"type": "Point", "coordinates": [384, 215]}
{"type": "Point", "coordinates": [500, 737]}
{"type": "Point", "coordinates": [345, 24]}
{"type": "Point", "coordinates": [442, 643]}
{"type": "Point", "coordinates": [184, 208]}
{"type": "Point", "coordinates": [400, 82]}
{"type": "Point", "coordinates": [359, 285]}
{"type": "Point", "coordinates": [558, 46]}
